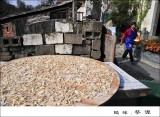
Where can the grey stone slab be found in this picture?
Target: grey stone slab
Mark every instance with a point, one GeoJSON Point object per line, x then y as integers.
{"type": "Point", "coordinates": [92, 26]}
{"type": "Point", "coordinates": [32, 39]}
{"type": "Point", "coordinates": [96, 44]}
{"type": "Point", "coordinates": [45, 49]}
{"type": "Point", "coordinates": [39, 27]}
{"type": "Point", "coordinates": [54, 38]}
{"type": "Point", "coordinates": [63, 27]}
{"type": "Point", "coordinates": [32, 28]}
{"type": "Point", "coordinates": [97, 26]}
{"type": "Point", "coordinates": [72, 38]}
{"type": "Point", "coordinates": [81, 49]}
{"type": "Point", "coordinates": [48, 26]}
{"type": "Point", "coordinates": [28, 50]}
{"type": "Point", "coordinates": [63, 49]}
{"type": "Point", "coordinates": [95, 54]}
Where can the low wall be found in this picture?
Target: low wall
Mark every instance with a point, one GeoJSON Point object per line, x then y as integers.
{"type": "Point", "coordinates": [150, 58]}
{"type": "Point", "coordinates": [84, 40]}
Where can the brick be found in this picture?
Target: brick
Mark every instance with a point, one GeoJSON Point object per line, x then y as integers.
{"type": "Point", "coordinates": [96, 44]}
{"type": "Point", "coordinates": [10, 41]}
{"type": "Point", "coordinates": [32, 39]}
{"type": "Point", "coordinates": [81, 49]}
{"type": "Point", "coordinates": [73, 38]}
{"type": "Point", "coordinates": [15, 41]}
{"type": "Point", "coordinates": [63, 27]}
{"type": "Point", "coordinates": [44, 50]}
{"type": "Point", "coordinates": [63, 49]}
{"type": "Point", "coordinates": [95, 54]}
{"type": "Point", "coordinates": [54, 38]}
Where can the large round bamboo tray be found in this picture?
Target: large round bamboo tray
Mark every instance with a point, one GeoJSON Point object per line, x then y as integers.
{"type": "Point", "coordinates": [57, 80]}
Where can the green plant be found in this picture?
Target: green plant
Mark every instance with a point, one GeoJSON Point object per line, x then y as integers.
{"type": "Point", "coordinates": [142, 11]}
{"type": "Point", "coordinates": [124, 11]}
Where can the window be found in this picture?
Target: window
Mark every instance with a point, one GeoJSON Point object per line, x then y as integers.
{"type": "Point", "coordinates": [58, 14]}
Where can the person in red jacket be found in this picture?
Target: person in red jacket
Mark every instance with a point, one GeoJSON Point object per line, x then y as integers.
{"type": "Point", "coordinates": [128, 36]}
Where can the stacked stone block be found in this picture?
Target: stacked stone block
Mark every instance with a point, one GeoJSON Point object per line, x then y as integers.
{"type": "Point", "coordinates": [83, 40]}
{"type": "Point", "coordinates": [5, 54]}
{"type": "Point", "coordinates": [92, 36]}
{"type": "Point", "coordinates": [10, 41]}
{"type": "Point", "coordinates": [32, 39]}
{"type": "Point", "coordinates": [5, 44]}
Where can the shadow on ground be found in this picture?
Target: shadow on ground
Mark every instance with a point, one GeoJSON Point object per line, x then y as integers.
{"type": "Point", "coordinates": [134, 70]}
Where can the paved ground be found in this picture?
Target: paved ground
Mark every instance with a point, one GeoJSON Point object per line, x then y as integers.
{"type": "Point", "coordinates": [139, 70]}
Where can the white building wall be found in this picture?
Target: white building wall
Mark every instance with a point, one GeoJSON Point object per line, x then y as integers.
{"type": "Point", "coordinates": [87, 7]}
{"type": "Point", "coordinates": [151, 19]}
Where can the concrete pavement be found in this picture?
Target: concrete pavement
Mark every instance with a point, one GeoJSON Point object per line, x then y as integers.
{"type": "Point", "coordinates": [139, 70]}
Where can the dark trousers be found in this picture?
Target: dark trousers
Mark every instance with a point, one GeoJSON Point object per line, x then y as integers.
{"type": "Point", "coordinates": [130, 54]}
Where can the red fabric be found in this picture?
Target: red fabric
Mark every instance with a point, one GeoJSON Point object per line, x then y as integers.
{"type": "Point", "coordinates": [126, 34]}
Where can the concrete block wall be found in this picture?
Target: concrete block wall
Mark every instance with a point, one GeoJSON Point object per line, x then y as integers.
{"type": "Point", "coordinates": [64, 40]}
{"type": "Point", "coordinates": [63, 49]}
{"type": "Point", "coordinates": [10, 41]}
{"type": "Point", "coordinates": [54, 38]}
{"type": "Point", "coordinates": [32, 39]}
{"type": "Point", "coordinates": [92, 36]}
{"type": "Point", "coordinates": [63, 27]}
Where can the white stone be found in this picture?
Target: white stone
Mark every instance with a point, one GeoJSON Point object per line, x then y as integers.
{"type": "Point", "coordinates": [63, 49]}
{"type": "Point", "coordinates": [32, 39]}
{"type": "Point", "coordinates": [63, 27]}
{"type": "Point", "coordinates": [151, 19]}
{"type": "Point", "coordinates": [54, 38]}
